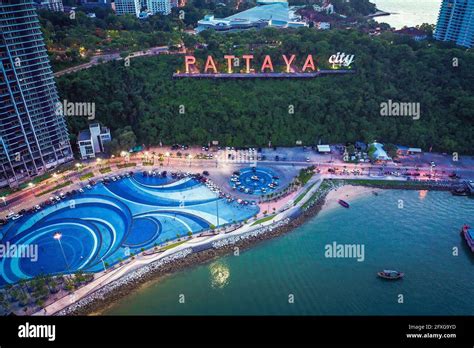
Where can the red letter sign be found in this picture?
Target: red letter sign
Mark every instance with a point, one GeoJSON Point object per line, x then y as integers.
{"type": "Point", "coordinates": [247, 58]}
{"type": "Point", "coordinates": [267, 64]}
{"type": "Point", "coordinates": [309, 63]}
{"type": "Point", "coordinates": [288, 63]}
{"type": "Point", "coordinates": [210, 65]}
{"type": "Point", "coordinates": [188, 61]}
{"type": "Point", "coordinates": [229, 63]}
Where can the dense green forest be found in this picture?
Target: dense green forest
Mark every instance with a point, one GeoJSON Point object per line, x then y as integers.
{"type": "Point", "coordinates": [332, 109]}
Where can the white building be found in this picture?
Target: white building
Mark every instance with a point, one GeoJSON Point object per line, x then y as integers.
{"type": "Point", "coordinates": [127, 6]}
{"type": "Point", "coordinates": [52, 5]}
{"type": "Point", "coordinates": [159, 6]}
{"type": "Point", "coordinates": [322, 25]}
{"type": "Point", "coordinates": [92, 140]}
{"type": "Point", "coordinates": [324, 149]}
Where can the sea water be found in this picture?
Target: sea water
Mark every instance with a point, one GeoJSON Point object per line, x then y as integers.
{"type": "Point", "coordinates": [416, 232]}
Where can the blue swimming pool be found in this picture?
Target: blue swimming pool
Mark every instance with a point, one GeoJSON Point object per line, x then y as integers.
{"type": "Point", "coordinates": [109, 222]}
{"type": "Point", "coordinates": [258, 181]}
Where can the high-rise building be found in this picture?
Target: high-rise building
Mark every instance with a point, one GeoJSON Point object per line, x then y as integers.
{"type": "Point", "coordinates": [127, 6]}
{"type": "Point", "coordinates": [456, 22]}
{"type": "Point", "coordinates": [52, 5]}
{"type": "Point", "coordinates": [159, 6]}
{"type": "Point", "coordinates": [96, 3]}
{"type": "Point", "coordinates": [33, 134]}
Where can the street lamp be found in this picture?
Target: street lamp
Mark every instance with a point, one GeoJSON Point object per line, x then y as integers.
{"type": "Point", "coordinates": [58, 236]}
{"type": "Point", "coordinates": [190, 157]}
{"type": "Point", "coordinates": [4, 199]}
{"type": "Point", "coordinates": [103, 264]}
{"type": "Point", "coordinates": [167, 154]}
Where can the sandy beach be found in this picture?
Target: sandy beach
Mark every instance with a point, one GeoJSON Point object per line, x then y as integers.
{"type": "Point", "coordinates": [348, 193]}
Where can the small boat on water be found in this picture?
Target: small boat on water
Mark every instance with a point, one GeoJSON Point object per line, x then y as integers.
{"type": "Point", "coordinates": [343, 203]}
{"type": "Point", "coordinates": [390, 274]}
{"type": "Point", "coordinates": [468, 234]}
{"type": "Point", "coordinates": [460, 191]}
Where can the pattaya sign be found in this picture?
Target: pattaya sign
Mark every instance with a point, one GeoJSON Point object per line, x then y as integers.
{"type": "Point", "coordinates": [289, 63]}
{"type": "Point", "coordinates": [247, 66]}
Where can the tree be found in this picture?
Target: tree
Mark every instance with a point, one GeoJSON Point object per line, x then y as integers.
{"type": "Point", "coordinates": [391, 150]}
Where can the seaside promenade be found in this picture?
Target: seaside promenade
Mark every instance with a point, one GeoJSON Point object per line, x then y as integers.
{"type": "Point", "coordinates": [286, 208]}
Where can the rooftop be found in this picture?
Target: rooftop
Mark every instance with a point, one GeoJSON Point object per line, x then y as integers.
{"type": "Point", "coordinates": [267, 12]}
{"type": "Point", "coordinates": [84, 135]}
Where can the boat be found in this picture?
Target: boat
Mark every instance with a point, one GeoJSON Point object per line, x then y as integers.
{"type": "Point", "coordinates": [460, 191]}
{"type": "Point", "coordinates": [468, 235]}
{"type": "Point", "coordinates": [390, 274]}
{"type": "Point", "coordinates": [254, 177]}
{"type": "Point", "coordinates": [343, 203]}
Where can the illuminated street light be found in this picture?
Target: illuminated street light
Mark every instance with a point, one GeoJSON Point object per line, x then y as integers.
{"type": "Point", "coordinates": [4, 199]}
{"type": "Point", "coordinates": [167, 154]}
{"type": "Point", "coordinates": [58, 236]}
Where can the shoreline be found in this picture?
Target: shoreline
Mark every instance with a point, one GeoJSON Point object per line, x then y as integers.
{"type": "Point", "coordinates": [102, 299]}
{"type": "Point", "coordinates": [97, 302]}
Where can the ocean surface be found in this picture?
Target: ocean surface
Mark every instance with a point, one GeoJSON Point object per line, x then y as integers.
{"type": "Point", "coordinates": [408, 12]}
{"type": "Point", "coordinates": [419, 239]}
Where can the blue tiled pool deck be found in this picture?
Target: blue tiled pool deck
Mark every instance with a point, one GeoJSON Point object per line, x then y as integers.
{"type": "Point", "coordinates": [111, 221]}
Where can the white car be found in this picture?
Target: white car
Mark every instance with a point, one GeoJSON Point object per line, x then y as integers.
{"type": "Point", "coordinates": [37, 207]}
{"type": "Point", "coordinates": [16, 216]}
{"type": "Point", "coordinates": [81, 190]}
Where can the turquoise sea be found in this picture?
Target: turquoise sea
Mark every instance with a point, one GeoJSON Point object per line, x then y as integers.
{"type": "Point", "coordinates": [417, 239]}
{"type": "Point", "coordinates": [408, 12]}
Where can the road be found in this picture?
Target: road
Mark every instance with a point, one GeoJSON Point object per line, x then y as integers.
{"type": "Point", "coordinates": [104, 58]}
{"type": "Point", "coordinates": [221, 168]}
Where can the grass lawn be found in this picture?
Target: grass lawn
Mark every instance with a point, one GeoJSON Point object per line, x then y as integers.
{"type": "Point", "coordinates": [300, 197]}
{"type": "Point", "coordinates": [86, 176]}
{"type": "Point", "coordinates": [105, 170]}
{"type": "Point", "coordinates": [305, 175]}
{"type": "Point", "coordinates": [172, 245]}
{"type": "Point", "coordinates": [35, 181]}
{"type": "Point", "coordinates": [126, 165]}
{"type": "Point", "coordinates": [262, 220]}
{"type": "Point", "coordinates": [57, 187]}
